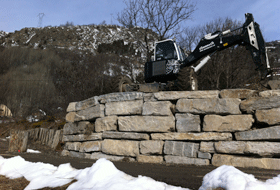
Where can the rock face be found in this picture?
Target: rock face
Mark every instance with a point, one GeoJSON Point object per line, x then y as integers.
{"type": "Point", "coordinates": [124, 108]}
{"type": "Point", "coordinates": [187, 123]}
{"type": "Point", "coordinates": [271, 133]}
{"type": "Point", "coordinates": [270, 117]}
{"type": "Point", "coordinates": [209, 106]}
{"type": "Point", "coordinates": [237, 161]}
{"type": "Point", "coordinates": [147, 123]}
{"type": "Point", "coordinates": [250, 105]}
{"type": "Point", "coordinates": [228, 123]}
{"type": "Point", "coordinates": [120, 147]}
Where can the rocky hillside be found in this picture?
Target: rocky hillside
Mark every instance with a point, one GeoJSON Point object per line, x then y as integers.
{"type": "Point", "coordinates": [85, 38]}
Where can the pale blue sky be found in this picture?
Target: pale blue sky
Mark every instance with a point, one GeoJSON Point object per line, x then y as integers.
{"type": "Point", "coordinates": [18, 14]}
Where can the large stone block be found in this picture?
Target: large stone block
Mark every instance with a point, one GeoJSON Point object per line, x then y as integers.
{"type": "Point", "coordinates": [186, 160]}
{"type": "Point", "coordinates": [151, 147]}
{"type": "Point", "coordinates": [270, 117]}
{"type": "Point", "coordinates": [73, 146]}
{"type": "Point", "coordinates": [76, 154]}
{"type": "Point", "coordinates": [204, 155]}
{"type": "Point", "coordinates": [149, 159]}
{"type": "Point", "coordinates": [78, 128]}
{"type": "Point", "coordinates": [175, 95]}
{"type": "Point", "coordinates": [90, 113]}
{"type": "Point", "coordinates": [237, 161]}
{"type": "Point", "coordinates": [162, 108]}
{"type": "Point", "coordinates": [90, 146]}
{"type": "Point", "coordinates": [228, 123]}
{"type": "Point", "coordinates": [147, 123]}
{"type": "Point", "coordinates": [98, 155]}
{"type": "Point", "coordinates": [82, 137]}
{"type": "Point", "coordinates": [207, 136]}
{"type": "Point", "coordinates": [207, 147]}
{"type": "Point", "coordinates": [77, 106]}
{"type": "Point", "coordinates": [120, 147]}
{"type": "Point", "coordinates": [252, 104]}
{"type": "Point", "coordinates": [106, 124]}
{"type": "Point", "coordinates": [176, 148]}
{"type": "Point", "coordinates": [120, 97]}
{"type": "Point", "coordinates": [237, 93]}
{"type": "Point", "coordinates": [269, 93]}
{"type": "Point", "coordinates": [209, 106]}
{"type": "Point", "coordinates": [124, 135]}
{"type": "Point", "coordinates": [124, 108]}
{"type": "Point", "coordinates": [243, 147]}
{"type": "Point", "coordinates": [187, 123]}
{"type": "Point", "coordinates": [270, 133]}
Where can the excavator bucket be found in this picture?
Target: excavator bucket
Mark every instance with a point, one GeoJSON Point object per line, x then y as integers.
{"type": "Point", "coordinates": [256, 44]}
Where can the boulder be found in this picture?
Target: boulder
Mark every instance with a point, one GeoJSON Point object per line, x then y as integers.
{"type": "Point", "coordinates": [176, 148]}
{"type": "Point", "coordinates": [162, 108]}
{"type": "Point", "coordinates": [261, 103]}
{"type": "Point", "coordinates": [90, 146]}
{"type": "Point", "coordinates": [186, 160]}
{"type": "Point", "coordinates": [120, 147]}
{"type": "Point", "coordinates": [270, 117]}
{"type": "Point", "coordinates": [270, 133]}
{"type": "Point", "coordinates": [151, 147]}
{"type": "Point", "coordinates": [237, 93]}
{"type": "Point", "coordinates": [120, 97]}
{"type": "Point", "coordinates": [125, 135]}
{"type": "Point", "coordinates": [206, 136]}
{"type": "Point", "coordinates": [149, 159]}
{"type": "Point", "coordinates": [187, 123]}
{"type": "Point", "coordinates": [237, 161]}
{"type": "Point", "coordinates": [175, 95]}
{"type": "Point", "coordinates": [209, 106]}
{"type": "Point", "coordinates": [147, 123]}
{"type": "Point", "coordinates": [124, 108]}
{"type": "Point", "coordinates": [228, 123]}
{"type": "Point", "coordinates": [108, 123]}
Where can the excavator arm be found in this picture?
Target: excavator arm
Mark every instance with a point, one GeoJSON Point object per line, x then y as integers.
{"type": "Point", "coordinates": [248, 35]}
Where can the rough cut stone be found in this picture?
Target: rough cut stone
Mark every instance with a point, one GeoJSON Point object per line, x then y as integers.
{"type": "Point", "coordinates": [274, 84]}
{"type": "Point", "coordinates": [56, 139]}
{"type": "Point", "coordinates": [151, 147]}
{"type": "Point", "coordinates": [120, 97]}
{"type": "Point", "coordinates": [76, 154]}
{"type": "Point", "coordinates": [147, 123]}
{"type": "Point", "coordinates": [90, 146]}
{"type": "Point", "coordinates": [162, 108]}
{"type": "Point", "coordinates": [207, 147]}
{"type": "Point", "coordinates": [228, 123]}
{"type": "Point", "coordinates": [78, 128]}
{"type": "Point", "coordinates": [242, 147]}
{"type": "Point", "coordinates": [124, 108]}
{"type": "Point", "coordinates": [82, 137]}
{"type": "Point", "coordinates": [260, 103]}
{"type": "Point", "coordinates": [207, 136]}
{"type": "Point", "coordinates": [120, 147]}
{"type": "Point", "coordinates": [270, 117]}
{"type": "Point", "coordinates": [209, 106]}
{"type": "Point", "coordinates": [77, 106]}
{"type": "Point", "coordinates": [64, 153]}
{"type": "Point", "coordinates": [264, 163]}
{"type": "Point", "coordinates": [269, 93]}
{"type": "Point", "coordinates": [124, 135]}
{"type": "Point", "coordinates": [98, 155]}
{"type": "Point", "coordinates": [18, 141]}
{"type": "Point", "coordinates": [237, 93]}
{"type": "Point", "coordinates": [90, 113]}
{"type": "Point", "coordinates": [149, 159]}
{"type": "Point", "coordinates": [106, 124]}
{"type": "Point", "coordinates": [187, 123]}
{"type": "Point", "coordinates": [270, 133]}
{"type": "Point", "coordinates": [70, 117]}
{"type": "Point", "coordinates": [149, 97]}
{"type": "Point", "coordinates": [176, 148]}
{"type": "Point", "coordinates": [73, 146]}
{"type": "Point", "coordinates": [186, 160]}
{"type": "Point", "coordinates": [175, 95]}
{"type": "Point", "coordinates": [204, 155]}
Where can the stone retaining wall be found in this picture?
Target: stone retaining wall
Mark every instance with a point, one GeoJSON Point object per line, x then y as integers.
{"type": "Point", "coordinates": [236, 127]}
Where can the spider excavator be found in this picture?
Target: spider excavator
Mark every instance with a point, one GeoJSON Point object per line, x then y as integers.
{"type": "Point", "coordinates": [171, 64]}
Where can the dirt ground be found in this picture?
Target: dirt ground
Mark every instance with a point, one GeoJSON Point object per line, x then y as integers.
{"type": "Point", "coordinates": [188, 176]}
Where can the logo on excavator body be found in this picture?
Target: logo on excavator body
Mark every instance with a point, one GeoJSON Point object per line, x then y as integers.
{"type": "Point", "coordinates": [208, 46]}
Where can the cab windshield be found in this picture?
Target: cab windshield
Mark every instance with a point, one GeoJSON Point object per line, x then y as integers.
{"type": "Point", "coordinates": [165, 50]}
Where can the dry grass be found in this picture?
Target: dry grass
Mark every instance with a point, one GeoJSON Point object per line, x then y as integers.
{"type": "Point", "coordinates": [21, 183]}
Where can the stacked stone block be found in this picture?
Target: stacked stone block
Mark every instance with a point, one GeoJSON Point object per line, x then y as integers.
{"type": "Point", "coordinates": [228, 127]}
